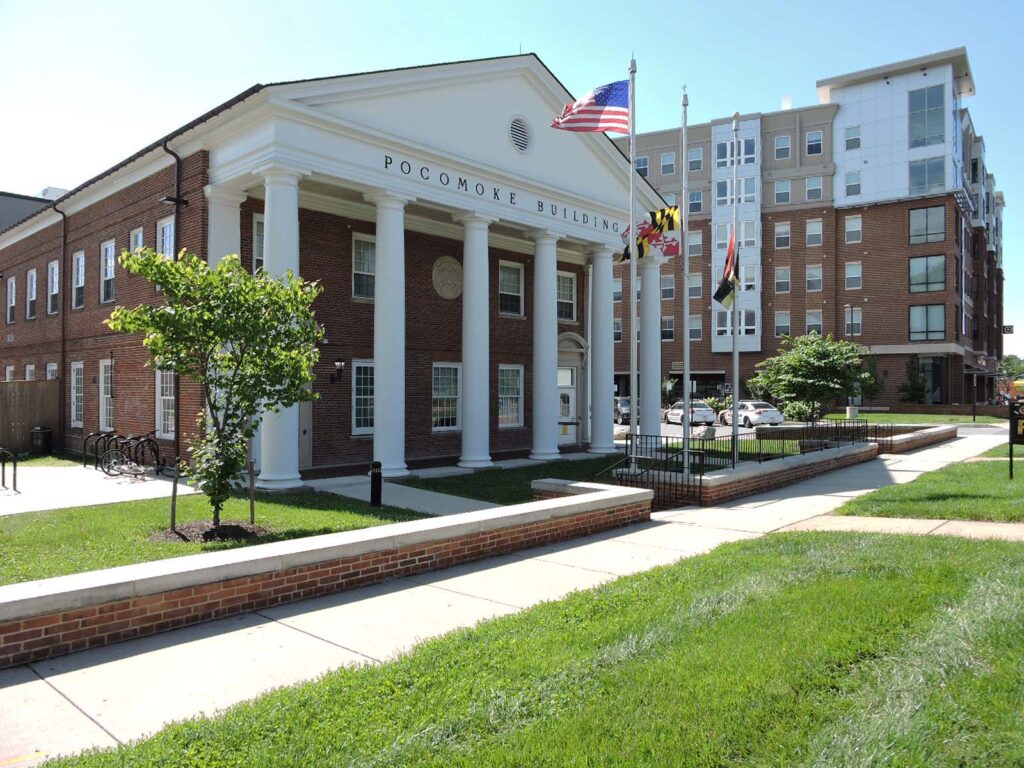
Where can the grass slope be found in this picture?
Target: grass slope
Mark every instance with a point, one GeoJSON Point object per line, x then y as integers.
{"type": "Point", "coordinates": [795, 650]}
{"type": "Point", "coordinates": [881, 417]}
{"type": "Point", "coordinates": [978, 490]}
{"type": "Point", "coordinates": [37, 545]}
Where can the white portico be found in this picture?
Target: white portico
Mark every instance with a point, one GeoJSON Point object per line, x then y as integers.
{"type": "Point", "coordinates": [424, 158]}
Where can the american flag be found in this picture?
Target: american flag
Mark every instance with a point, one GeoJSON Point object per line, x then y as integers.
{"type": "Point", "coordinates": [605, 108]}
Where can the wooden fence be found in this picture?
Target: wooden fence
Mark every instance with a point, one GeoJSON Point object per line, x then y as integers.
{"type": "Point", "coordinates": [24, 405]}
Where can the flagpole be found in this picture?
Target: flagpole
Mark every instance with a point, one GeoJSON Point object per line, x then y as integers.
{"type": "Point", "coordinates": [684, 210]}
{"type": "Point", "coordinates": [736, 286]}
{"type": "Point", "coordinates": [634, 411]}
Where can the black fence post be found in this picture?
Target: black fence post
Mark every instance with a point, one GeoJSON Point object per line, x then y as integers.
{"type": "Point", "coordinates": [174, 496]}
{"type": "Point", "coordinates": [376, 481]}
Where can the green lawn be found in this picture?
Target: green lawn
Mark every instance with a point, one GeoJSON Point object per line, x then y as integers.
{"type": "Point", "coordinates": [36, 545]}
{"type": "Point", "coordinates": [1003, 452]}
{"type": "Point", "coordinates": [512, 486]}
{"type": "Point", "coordinates": [978, 490]}
{"type": "Point", "coordinates": [790, 650]}
{"type": "Point", "coordinates": [47, 461]}
{"type": "Point", "coordinates": [918, 418]}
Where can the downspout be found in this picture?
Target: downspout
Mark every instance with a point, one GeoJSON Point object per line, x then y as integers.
{"type": "Point", "coordinates": [61, 420]}
{"type": "Point", "coordinates": [178, 201]}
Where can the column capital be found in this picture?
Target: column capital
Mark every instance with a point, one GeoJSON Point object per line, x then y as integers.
{"type": "Point", "coordinates": [278, 172]}
{"type": "Point", "coordinates": [651, 262]}
{"type": "Point", "coordinates": [539, 235]}
{"type": "Point", "coordinates": [386, 198]}
{"type": "Point", "coordinates": [216, 193]}
{"type": "Point", "coordinates": [471, 219]}
{"type": "Point", "coordinates": [600, 252]}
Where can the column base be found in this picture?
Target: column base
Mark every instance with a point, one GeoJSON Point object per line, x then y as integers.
{"type": "Point", "coordinates": [476, 463]}
{"type": "Point", "coordinates": [602, 449]}
{"type": "Point", "coordinates": [286, 483]}
{"type": "Point", "coordinates": [397, 471]}
{"type": "Point", "coordinates": [544, 455]}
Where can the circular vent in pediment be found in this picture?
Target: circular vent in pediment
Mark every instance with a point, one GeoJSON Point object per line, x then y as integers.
{"type": "Point", "coordinates": [520, 133]}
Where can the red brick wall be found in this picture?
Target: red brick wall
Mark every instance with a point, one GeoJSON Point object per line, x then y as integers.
{"type": "Point", "coordinates": [41, 637]}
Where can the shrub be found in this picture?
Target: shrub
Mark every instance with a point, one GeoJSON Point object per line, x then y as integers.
{"type": "Point", "coordinates": [798, 411]}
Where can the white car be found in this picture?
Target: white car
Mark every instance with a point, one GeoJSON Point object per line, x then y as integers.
{"type": "Point", "coordinates": [753, 412]}
{"type": "Point", "coordinates": [699, 413]}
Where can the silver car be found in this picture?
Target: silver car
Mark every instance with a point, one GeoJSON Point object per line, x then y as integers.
{"type": "Point", "coordinates": [753, 412]}
{"type": "Point", "coordinates": [699, 413]}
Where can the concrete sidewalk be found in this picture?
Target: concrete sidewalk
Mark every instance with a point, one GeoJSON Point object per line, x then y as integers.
{"type": "Point", "coordinates": [969, 529]}
{"type": "Point", "coordinates": [106, 696]}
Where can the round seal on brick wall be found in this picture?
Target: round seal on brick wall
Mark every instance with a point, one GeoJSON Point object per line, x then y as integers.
{"type": "Point", "coordinates": [448, 278]}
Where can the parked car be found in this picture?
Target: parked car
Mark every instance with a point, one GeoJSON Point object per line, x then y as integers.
{"type": "Point", "coordinates": [699, 413]}
{"type": "Point", "coordinates": [622, 410]}
{"type": "Point", "coordinates": [753, 412]}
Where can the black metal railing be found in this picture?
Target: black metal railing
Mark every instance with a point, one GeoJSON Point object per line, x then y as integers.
{"type": "Point", "coordinates": [5, 458]}
{"type": "Point", "coordinates": [675, 476]}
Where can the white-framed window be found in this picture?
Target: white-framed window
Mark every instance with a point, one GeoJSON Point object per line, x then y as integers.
{"type": "Point", "coordinates": [854, 229]}
{"type": "Point", "coordinates": [927, 175]}
{"type": "Point", "coordinates": [668, 286]}
{"type": "Point", "coordinates": [813, 321]}
{"type": "Point", "coordinates": [852, 183]}
{"type": "Point", "coordinates": [695, 201]}
{"type": "Point", "coordinates": [748, 189]}
{"type": "Point", "coordinates": [723, 322]}
{"type": "Point", "coordinates": [445, 397]}
{"type": "Point", "coordinates": [108, 259]}
{"type": "Point", "coordinates": [748, 277]}
{"type": "Point", "coordinates": [812, 188]}
{"type": "Point", "coordinates": [53, 287]}
{"type": "Point", "coordinates": [77, 385]}
{"type": "Point", "coordinates": [31, 287]}
{"type": "Point", "coordinates": [78, 280]}
{"type": "Point", "coordinates": [852, 137]}
{"type": "Point", "coordinates": [510, 288]}
{"type": "Point", "coordinates": [695, 158]}
{"type": "Point", "coordinates": [165, 239]}
{"type": "Point", "coordinates": [616, 330]}
{"type": "Point", "coordinates": [747, 322]}
{"type": "Point", "coordinates": [814, 139]}
{"type": "Point", "coordinates": [30, 372]}
{"type": "Point", "coordinates": [8, 373]}
{"type": "Point", "coordinates": [928, 322]}
{"type": "Point", "coordinates": [165, 405]}
{"type": "Point", "coordinates": [748, 234]}
{"type": "Point", "coordinates": [749, 149]}
{"type": "Point", "coordinates": [617, 289]}
{"type": "Point", "coordinates": [257, 242]}
{"type": "Point", "coordinates": [137, 238]}
{"type": "Point", "coordinates": [510, 396]}
{"type": "Point", "coordinates": [782, 234]}
{"type": "Point", "coordinates": [641, 165]}
{"type": "Point", "coordinates": [668, 163]}
{"type": "Point", "coordinates": [814, 279]}
{"type": "Point", "coordinates": [695, 243]}
{"type": "Point", "coordinates": [668, 329]}
{"type": "Point", "coordinates": [12, 299]}
{"type": "Point", "coordinates": [723, 192]}
{"type": "Point", "coordinates": [814, 236]}
{"type": "Point", "coordinates": [106, 403]}
{"type": "Point", "coordinates": [362, 397]}
{"type": "Point", "coordinates": [696, 331]}
{"type": "Point", "coordinates": [364, 266]}
{"type": "Point", "coordinates": [853, 276]}
{"type": "Point", "coordinates": [51, 371]}
{"type": "Point", "coordinates": [928, 225]}
{"type": "Point", "coordinates": [927, 273]}
{"type": "Point", "coordinates": [670, 197]}
{"type": "Point", "coordinates": [695, 285]}
{"type": "Point", "coordinates": [722, 235]}
{"type": "Point", "coordinates": [925, 116]}
{"type": "Point", "coordinates": [783, 191]}
{"type": "Point", "coordinates": [566, 296]}
{"type": "Point", "coordinates": [782, 327]}
{"type": "Point", "coordinates": [722, 154]}
{"type": "Point", "coordinates": [782, 280]}
{"type": "Point", "coordinates": [782, 147]}
{"type": "Point", "coordinates": [854, 321]}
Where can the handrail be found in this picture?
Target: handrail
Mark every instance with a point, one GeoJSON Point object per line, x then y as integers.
{"type": "Point", "coordinates": [4, 453]}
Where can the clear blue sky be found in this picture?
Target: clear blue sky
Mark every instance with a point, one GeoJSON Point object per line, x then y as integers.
{"type": "Point", "coordinates": [85, 84]}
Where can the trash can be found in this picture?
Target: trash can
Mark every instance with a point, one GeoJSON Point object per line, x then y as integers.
{"type": "Point", "coordinates": [42, 441]}
{"type": "Point", "coordinates": [852, 411]}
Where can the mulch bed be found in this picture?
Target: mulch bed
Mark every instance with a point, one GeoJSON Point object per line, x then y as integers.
{"type": "Point", "coordinates": [204, 530]}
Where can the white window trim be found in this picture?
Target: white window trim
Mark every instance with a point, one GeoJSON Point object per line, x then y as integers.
{"type": "Point", "coordinates": [521, 418]}
{"type": "Point", "coordinates": [752, 197]}
{"type": "Point", "coordinates": [696, 324]}
{"type": "Point", "coordinates": [257, 218]}
{"type": "Point", "coordinates": [789, 325]}
{"type": "Point", "coordinates": [617, 321]}
{"type": "Point", "coordinates": [846, 276]}
{"type": "Point", "coordinates": [103, 425]}
{"type": "Point", "coordinates": [617, 282]}
{"type": "Point", "coordinates": [51, 368]}
{"type": "Point", "coordinates": [748, 275]}
{"type": "Point", "coordinates": [847, 230]}
{"type": "Point", "coordinates": [572, 276]}
{"type": "Point", "coordinates": [788, 147]}
{"type": "Point", "coordinates": [158, 411]}
{"type": "Point", "coordinates": [30, 371]}
{"type": "Point", "coordinates": [663, 163]}
{"type": "Point", "coordinates": [12, 300]}
{"type": "Point", "coordinates": [646, 164]}
{"type": "Point", "coordinates": [9, 373]}
{"type": "Point", "coordinates": [78, 395]}
{"type": "Point", "coordinates": [662, 329]}
{"type": "Point", "coordinates": [700, 159]}
{"type": "Point", "coordinates": [695, 238]}
{"type": "Point", "coordinates": [847, 137]}
{"type": "Point", "coordinates": [847, 183]}
{"type": "Point", "coordinates": [820, 141]}
{"type": "Point", "coordinates": [821, 278]}
{"type": "Point", "coordinates": [77, 278]}
{"type": "Point", "coordinates": [700, 201]}
{"type": "Point", "coordinates": [820, 324]}
{"type": "Point", "coordinates": [458, 396]}
{"type": "Point", "coordinates": [31, 294]}
{"type": "Point", "coordinates": [789, 235]}
{"type": "Point", "coordinates": [821, 233]}
{"type": "Point", "coordinates": [161, 246]}
{"type": "Point", "coordinates": [356, 364]}
{"type": "Point", "coordinates": [52, 285]}
{"type": "Point", "coordinates": [789, 280]}
{"type": "Point", "coordinates": [853, 316]}
{"type": "Point", "coordinates": [671, 286]}
{"type": "Point", "coordinates": [103, 266]}
{"type": "Point", "coordinates": [137, 238]}
{"type": "Point", "coordinates": [820, 188]}
{"type": "Point", "coordinates": [788, 193]}
{"type": "Point", "coordinates": [356, 236]}
{"type": "Point", "coordinates": [522, 288]}
{"type": "Point", "coordinates": [690, 280]}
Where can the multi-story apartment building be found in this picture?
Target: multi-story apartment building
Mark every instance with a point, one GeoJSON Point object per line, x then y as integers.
{"type": "Point", "coordinates": [871, 216]}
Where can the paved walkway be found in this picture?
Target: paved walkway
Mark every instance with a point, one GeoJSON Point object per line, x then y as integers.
{"type": "Point", "coordinates": [109, 695]}
{"type": "Point", "coordinates": [971, 529]}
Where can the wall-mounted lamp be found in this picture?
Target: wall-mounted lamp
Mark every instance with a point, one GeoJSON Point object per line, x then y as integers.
{"type": "Point", "coordinates": [172, 200]}
{"type": "Point", "coordinates": [339, 368]}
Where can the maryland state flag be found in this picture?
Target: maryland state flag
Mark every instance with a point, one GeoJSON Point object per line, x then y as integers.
{"type": "Point", "coordinates": [727, 288]}
{"type": "Point", "coordinates": [654, 233]}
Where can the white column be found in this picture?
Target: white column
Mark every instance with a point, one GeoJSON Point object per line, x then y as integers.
{"type": "Point", "coordinates": [279, 434]}
{"type": "Point", "coordinates": [650, 346]}
{"type": "Point", "coordinates": [602, 353]}
{"type": "Point", "coordinates": [389, 335]}
{"type": "Point", "coordinates": [224, 228]}
{"type": "Point", "coordinates": [545, 345]}
{"type": "Point", "coordinates": [476, 355]}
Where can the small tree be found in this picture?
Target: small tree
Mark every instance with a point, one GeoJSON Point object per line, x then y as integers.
{"type": "Point", "coordinates": [1012, 367]}
{"type": "Point", "coordinates": [249, 341]}
{"type": "Point", "coordinates": [811, 369]}
{"type": "Point", "coordinates": [913, 390]}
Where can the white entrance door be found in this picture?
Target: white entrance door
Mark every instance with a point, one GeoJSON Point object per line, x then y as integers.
{"type": "Point", "coordinates": [568, 423]}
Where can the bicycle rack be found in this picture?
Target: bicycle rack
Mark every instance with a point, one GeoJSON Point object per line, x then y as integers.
{"type": "Point", "coordinates": [6, 456]}
{"type": "Point", "coordinates": [95, 437]}
{"type": "Point", "coordinates": [101, 446]}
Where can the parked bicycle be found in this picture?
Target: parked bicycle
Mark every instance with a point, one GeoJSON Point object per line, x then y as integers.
{"type": "Point", "coordinates": [134, 455]}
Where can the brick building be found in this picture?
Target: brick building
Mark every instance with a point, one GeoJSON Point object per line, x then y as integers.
{"type": "Point", "coordinates": [465, 250]}
{"type": "Point", "coordinates": [871, 216]}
